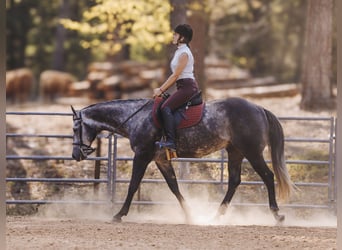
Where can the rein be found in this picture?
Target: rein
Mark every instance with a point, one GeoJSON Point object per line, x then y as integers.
{"type": "Point", "coordinates": [137, 111]}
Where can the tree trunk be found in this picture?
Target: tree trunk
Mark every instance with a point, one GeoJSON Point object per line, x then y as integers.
{"type": "Point", "coordinates": [200, 23]}
{"type": "Point", "coordinates": [58, 55]}
{"type": "Point", "coordinates": [178, 13]}
{"type": "Point", "coordinates": [18, 25]}
{"type": "Point", "coordinates": [317, 63]}
{"type": "Point", "coordinates": [177, 16]}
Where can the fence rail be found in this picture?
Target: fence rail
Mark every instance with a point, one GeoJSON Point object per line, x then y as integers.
{"type": "Point", "coordinates": [112, 159]}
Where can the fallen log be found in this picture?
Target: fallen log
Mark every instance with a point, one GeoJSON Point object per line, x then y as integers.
{"type": "Point", "coordinates": [242, 82]}
{"type": "Point", "coordinates": [279, 90]}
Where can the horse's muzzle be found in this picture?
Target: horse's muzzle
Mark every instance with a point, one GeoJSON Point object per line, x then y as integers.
{"type": "Point", "coordinates": [78, 154]}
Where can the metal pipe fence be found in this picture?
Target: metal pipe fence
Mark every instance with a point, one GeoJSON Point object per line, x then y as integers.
{"type": "Point", "coordinates": [95, 181]}
{"type": "Point", "coordinates": [112, 160]}
{"type": "Point", "coordinates": [222, 160]}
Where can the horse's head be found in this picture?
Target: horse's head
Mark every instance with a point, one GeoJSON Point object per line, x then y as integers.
{"type": "Point", "coordinates": [83, 136]}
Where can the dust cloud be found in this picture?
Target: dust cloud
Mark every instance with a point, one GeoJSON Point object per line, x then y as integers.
{"type": "Point", "coordinates": [202, 211]}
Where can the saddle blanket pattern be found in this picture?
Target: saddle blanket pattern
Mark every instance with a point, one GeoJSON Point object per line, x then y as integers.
{"type": "Point", "coordinates": [192, 115]}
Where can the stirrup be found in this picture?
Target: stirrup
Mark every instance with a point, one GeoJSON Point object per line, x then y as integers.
{"type": "Point", "coordinates": [170, 153]}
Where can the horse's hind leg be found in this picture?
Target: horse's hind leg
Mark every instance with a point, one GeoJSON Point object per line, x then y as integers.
{"type": "Point", "coordinates": [234, 170]}
{"type": "Point", "coordinates": [170, 177]}
{"type": "Point", "coordinates": [260, 166]}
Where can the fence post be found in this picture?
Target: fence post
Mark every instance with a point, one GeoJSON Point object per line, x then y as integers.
{"type": "Point", "coordinates": [97, 165]}
{"type": "Point", "coordinates": [109, 166]}
{"type": "Point", "coordinates": [114, 160]}
{"type": "Point", "coordinates": [222, 170]}
{"type": "Point", "coordinates": [331, 188]}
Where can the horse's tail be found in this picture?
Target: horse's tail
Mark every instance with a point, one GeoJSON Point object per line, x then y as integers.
{"type": "Point", "coordinates": [276, 143]}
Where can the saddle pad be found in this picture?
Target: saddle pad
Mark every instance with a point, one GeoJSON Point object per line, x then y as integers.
{"type": "Point", "coordinates": [192, 115]}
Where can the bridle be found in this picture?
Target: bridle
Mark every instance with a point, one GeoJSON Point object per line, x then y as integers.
{"type": "Point", "coordinates": [87, 149]}
{"type": "Point", "coordinates": [84, 148]}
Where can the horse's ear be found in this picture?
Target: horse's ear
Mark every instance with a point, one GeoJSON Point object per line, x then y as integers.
{"type": "Point", "coordinates": [73, 110]}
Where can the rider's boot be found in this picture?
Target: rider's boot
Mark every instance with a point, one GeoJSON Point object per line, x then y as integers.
{"type": "Point", "coordinates": [169, 128]}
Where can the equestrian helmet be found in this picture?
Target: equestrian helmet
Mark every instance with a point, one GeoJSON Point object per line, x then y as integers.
{"type": "Point", "coordinates": [185, 31]}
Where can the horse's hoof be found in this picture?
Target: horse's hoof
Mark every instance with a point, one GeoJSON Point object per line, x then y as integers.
{"type": "Point", "coordinates": [216, 218]}
{"type": "Point", "coordinates": [189, 220]}
{"type": "Point", "coordinates": [279, 218]}
{"type": "Point", "coordinates": [222, 210]}
{"type": "Point", "coordinates": [116, 219]}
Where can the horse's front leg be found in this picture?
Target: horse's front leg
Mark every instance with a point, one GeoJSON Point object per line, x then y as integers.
{"type": "Point", "coordinates": [140, 163]}
{"type": "Point", "coordinates": [169, 175]}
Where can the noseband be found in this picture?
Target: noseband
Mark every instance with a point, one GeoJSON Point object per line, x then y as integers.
{"type": "Point", "coordinates": [84, 148]}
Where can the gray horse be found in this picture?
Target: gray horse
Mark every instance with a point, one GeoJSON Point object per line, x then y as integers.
{"type": "Point", "coordinates": [241, 127]}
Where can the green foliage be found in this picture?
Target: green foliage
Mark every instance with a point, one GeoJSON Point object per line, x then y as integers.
{"type": "Point", "coordinates": [110, 25]}
{"type": "Point", "coordinates": [31, 35]}
{"type": "Point", "coordinates": [263, 36]}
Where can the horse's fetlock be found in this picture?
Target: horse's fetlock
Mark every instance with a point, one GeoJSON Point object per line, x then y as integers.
{"type": "Point", "coordinates": [274, 209]}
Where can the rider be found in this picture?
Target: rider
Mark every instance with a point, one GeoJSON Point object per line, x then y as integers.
{"type": "Point", "coordinates": [182, 67]}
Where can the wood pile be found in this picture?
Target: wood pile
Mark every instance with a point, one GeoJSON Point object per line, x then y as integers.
{"type": "Point", "coordinates": [106, 80]}
{"type": "Point", "coordinates": [221, 75]}
{"type": "Point", "coordinates": [19, 84]}
{"type": "Point", "coordinates": [54, 84]}
{"type": "Point", "coordinates": [278, 90]}
{"type": "Point", "coordinates": [131, 79]}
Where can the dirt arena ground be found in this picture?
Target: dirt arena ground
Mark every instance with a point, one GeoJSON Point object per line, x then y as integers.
{"type": "Point", "coordinates": [40, 233]}
{"type": "Point", "coordinates": [56, 227]}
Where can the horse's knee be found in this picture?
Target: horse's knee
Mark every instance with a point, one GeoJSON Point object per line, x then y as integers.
{"type": "Point", "coordinates": [234, 182]}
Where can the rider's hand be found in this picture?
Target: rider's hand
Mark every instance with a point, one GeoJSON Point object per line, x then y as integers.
{"type": "Point", "coordinates": [157, 92]}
